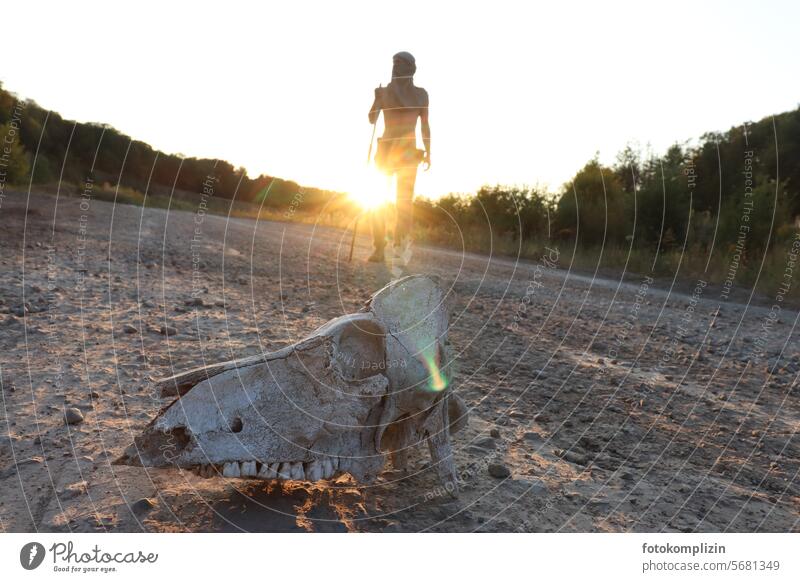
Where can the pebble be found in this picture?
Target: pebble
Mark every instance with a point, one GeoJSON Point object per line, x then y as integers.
{"type": "Point", "coordinates": [499, 471]}
{"type": "Point", "coordinates": [494, 433]}
{"type": "Point", "coordinates": [143, 505]}
{"type": "Point", "coordinates": [73, 416]}
{"type": "Point", "coordinates": [532, 436]}
{"type": "Point", "coordinates": [576, 458]}
{"type": "Point", "coordinates": [128, 328]}
{"type": "Point", "coordinates": [168, 330]}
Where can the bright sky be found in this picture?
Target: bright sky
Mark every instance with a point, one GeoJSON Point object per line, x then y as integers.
{"type": "Point", "coordinates": [520, 92]}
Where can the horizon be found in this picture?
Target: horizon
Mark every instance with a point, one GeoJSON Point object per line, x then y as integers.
{"type": "Point", "coordinates": [266, 130]}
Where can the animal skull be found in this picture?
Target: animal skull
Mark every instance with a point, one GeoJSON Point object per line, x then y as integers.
{"type": "Point", "coordinates": [360, 387]}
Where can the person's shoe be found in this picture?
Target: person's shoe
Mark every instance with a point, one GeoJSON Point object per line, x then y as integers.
{"type": "Point", "coordinates": [377, 256]}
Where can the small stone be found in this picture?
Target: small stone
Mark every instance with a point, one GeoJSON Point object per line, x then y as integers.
{"type": "Point", "coordinates": [494, 433]}
{"type": "Point", "coordinates": [531, 436]}
{"type": "Point", "coordinates": [143, 505]}
{"type": "Point", "coordinates": [576, 458]}
{"type": "Point", "coordinates": [499, 471]}
{"type": "Point", "coordinates": [195, 302]}
{"type": "Point", "coordinates": [534, 488]}
{"type": "Point", "coordinates": [74, 490]}
{"type": "Point", "coordinates": [168, 330]}
{"type": "Point", "coordinates": [73, 416]}
{"type": "Point", "coordinates": [128, 328]}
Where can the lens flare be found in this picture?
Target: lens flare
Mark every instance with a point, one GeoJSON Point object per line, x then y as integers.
{"type": "Point", "coordinates": [437, 381]}
{"type": "Point", "coordinates": [371, 189]}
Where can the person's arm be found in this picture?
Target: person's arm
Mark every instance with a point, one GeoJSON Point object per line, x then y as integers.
{"type": "Point", "coordinates": [377, 105]}
{"type": "Point", "coordinates": [426, 131]}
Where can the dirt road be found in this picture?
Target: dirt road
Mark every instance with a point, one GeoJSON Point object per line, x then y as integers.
{"type": "Point", "coordinates": [614, 406]}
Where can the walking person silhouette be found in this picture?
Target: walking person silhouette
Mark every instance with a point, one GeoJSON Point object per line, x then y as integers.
{"type": "Point", "coordinates": [397, 155]}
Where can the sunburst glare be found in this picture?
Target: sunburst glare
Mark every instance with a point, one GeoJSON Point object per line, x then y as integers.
{"type": "Point", "coordinates": [371, 189]}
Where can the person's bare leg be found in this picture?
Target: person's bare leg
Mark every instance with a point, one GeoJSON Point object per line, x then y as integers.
{"type": "Point", "coordinates": [406, 179]}
{"type": "Point", "coordinates": [378, 224]}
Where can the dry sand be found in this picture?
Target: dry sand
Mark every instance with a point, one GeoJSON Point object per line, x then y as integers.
{"type": "Point", "coordinates": [614, 407]}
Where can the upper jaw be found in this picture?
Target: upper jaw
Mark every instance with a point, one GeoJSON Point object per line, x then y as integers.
{"type": "Point", "coordinates": [313, 471]}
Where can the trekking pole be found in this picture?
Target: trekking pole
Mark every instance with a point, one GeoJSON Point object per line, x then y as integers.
{"type": "Point", "coordinates": [369, 158]}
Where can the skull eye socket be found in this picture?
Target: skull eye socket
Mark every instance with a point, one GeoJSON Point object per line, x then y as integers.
{"type": "Point", "coordinates": [361, 350]}
{"type": "Point", "coordinates": [236, 425]}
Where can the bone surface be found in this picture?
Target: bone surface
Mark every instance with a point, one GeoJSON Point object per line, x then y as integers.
{"type": "Point", "coordinates": [362, 387]}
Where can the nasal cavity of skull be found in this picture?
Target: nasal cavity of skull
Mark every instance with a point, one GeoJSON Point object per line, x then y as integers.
{"type": "Point", "coordinates": [361, 351]}
{"type": "Point", "coordinates": [236, 425]}
{"type": "Point", "coordinates": [169, 443]}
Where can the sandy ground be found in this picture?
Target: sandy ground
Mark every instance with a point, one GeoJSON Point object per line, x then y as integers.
{"type": "Point", "coordinates": [615, 406]}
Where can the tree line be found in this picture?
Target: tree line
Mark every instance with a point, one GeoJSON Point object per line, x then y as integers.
{"type": "Point", "coordinates": [710, 192]}
{"type": "Point", "coordinates": [743, 181]}
{"type": "Point", "coordinates": [72, 152]}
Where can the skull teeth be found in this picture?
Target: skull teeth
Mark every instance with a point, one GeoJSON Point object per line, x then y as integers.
{"type": "Point", "coordinates": [248, 469]}
{"type": "Point", "coordinates": [316, 470]}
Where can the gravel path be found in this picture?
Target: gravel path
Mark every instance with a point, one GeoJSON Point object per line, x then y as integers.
{"type": "Point", "coordinates": [610, 405]}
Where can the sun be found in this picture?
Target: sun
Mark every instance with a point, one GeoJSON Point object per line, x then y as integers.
{"type": "Point", "coordinates": [371, 189]}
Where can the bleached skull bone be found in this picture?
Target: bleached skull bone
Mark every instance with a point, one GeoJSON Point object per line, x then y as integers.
{"type": "Point", "coordinates": [361, 387]}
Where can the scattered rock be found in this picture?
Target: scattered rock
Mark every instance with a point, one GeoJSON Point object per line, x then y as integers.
{"type": "Point", "coordinates": [576, 458]}
{"type": "Point", "coordinates": [532, 437]}
{"type": "Point", "coordinates": [195, 302]}
{"type": "Point", "coordinates": [143, 505]}
{"type": "Point", "coordinates": [168, 330]}
{"type": "Point", "coordinates": [128, 328]}
{"type": "Point", "coordinates": [499, 471]}
{"type": "Point", "coordinates": [494, 433]}
{"type": "Point", "coordinates": [73, 416]}
{"type": "Point", "coordinates": [534, 488]}
{"type": "Point", "coordinates": [74, 490]}
{"type": "Point", "coordinates": [7, 381]}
